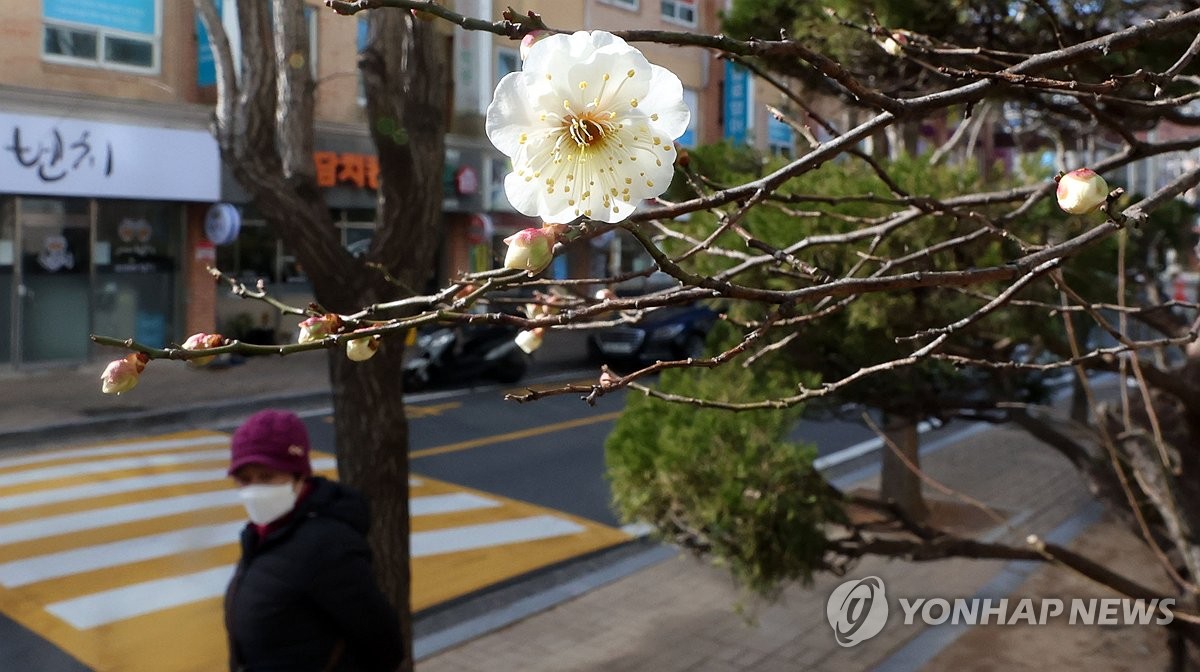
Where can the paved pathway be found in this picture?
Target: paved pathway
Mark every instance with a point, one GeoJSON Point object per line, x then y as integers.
{"type": "Point", "coordinates": [682, 614]}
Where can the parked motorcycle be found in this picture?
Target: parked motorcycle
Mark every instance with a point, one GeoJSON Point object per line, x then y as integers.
{"type": "Point", "coordinates": [461, 353]}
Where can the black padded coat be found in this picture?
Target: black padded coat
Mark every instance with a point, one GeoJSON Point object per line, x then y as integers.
{"type": "Point", "coordinates": [304, 597]}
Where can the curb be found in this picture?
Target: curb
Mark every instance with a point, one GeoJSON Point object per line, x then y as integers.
{"type": "Point", "coordinates": [129, 423]}
{"type": "Point", "coordinates": [466, 618]}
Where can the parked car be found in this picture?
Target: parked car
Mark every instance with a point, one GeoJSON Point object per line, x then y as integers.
{"type": "Point", "coordinates": [674, 332]}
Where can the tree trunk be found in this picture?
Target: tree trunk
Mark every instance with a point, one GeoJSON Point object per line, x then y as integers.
{"type": "Point", "coordinates": [898, 482]}
{"type": "Point", "coordinates": [372, 455]}
{"type": "Point", "coordinates": [265, 128]}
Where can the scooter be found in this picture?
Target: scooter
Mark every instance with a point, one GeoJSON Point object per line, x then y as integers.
{"type": "Point", "coordinates": [458, 353]}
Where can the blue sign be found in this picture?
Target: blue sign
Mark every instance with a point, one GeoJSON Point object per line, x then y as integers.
{"type": "Point", "coordinates": [737, 103]}
{"type": "Point", "coordinates": [131, 16]}
{"type": "Point", "coordinates": [206, 64]}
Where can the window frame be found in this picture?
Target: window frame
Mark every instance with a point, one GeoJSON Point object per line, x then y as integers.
{"type": "Point", "coordinates": [627, 5]}
{"type": "Point", "coordinates": [674, 18]}
{"type": "Point", "coordinates": [99, 61]}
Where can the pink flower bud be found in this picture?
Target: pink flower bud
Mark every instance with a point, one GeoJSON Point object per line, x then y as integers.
{"type": "Point", "coordinates": [202, 341]}
{"type": "Point", "coordinates": [608, 379]}
{"type": "Point", "coordinates": [121, 375]}
{"type": "Point", "coordinates": [362, 349]}
{"type": "Point", "coordinates": [606, 295]}
{"type": "Point", "coordinates": [1081, 191]}
{"type": "Point", "coordinates": [528, 41]}
{"type": "Point", "coordinates": [530, 339]}
{"type": "Point", "coordinates": [318, 327]}
{"type": "Point", "coordinates": [530, 250]}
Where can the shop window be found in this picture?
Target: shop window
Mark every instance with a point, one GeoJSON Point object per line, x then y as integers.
{"type": "Point", "coordinates": [116, 34]}
{"type": "Point", "coordinates": [507, 60]}
{"type": "Point", "coordinates": [679, 11]}
{"type": "Point", "coordinates": [361, 42]}
{"type": "Point", "coordinates": [8, 226]}
{"type": "Point", "coordinates": [258, 255]}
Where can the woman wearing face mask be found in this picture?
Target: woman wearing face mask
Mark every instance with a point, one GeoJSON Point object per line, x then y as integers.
{"type": "Point", "coordinates": [303, 596]}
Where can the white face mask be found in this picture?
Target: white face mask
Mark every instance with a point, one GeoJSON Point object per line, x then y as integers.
{"type": "Point", "coordinates": [267, 503]}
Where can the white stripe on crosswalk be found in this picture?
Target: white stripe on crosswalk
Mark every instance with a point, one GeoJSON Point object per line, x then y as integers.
{"type": "Point", "coordinates": [104, 466]}
{"type": "Point", "coordinates": [77, 561]}
{"type": "Point", "coordinates": [40, 528]}
{"type": "Point", "coordinates": [50, 526]}
{"type": "Point", "coordinates": [115, 449]}
{"type": "Point", "coordinates": [115, 487]}
{"type": "Point", "coordinates": [118, 604]}
{"type": "Point", "coordinates": [90, 611]}
{"type": "Point", "coordinates": [491, 534]}
{"type": "Point", "coordinates": [124, 485]}
{"type": "Point", "coordinates": [450, 503]}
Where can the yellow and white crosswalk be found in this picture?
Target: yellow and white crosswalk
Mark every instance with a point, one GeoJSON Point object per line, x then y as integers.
{"type": "Point", "coordinates": [119, 553]}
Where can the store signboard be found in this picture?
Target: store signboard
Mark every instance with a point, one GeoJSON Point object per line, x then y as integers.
{"type": "Point", "coordinates": [737, 103]}
{"type": "Point", "coordinates": [77, 157]}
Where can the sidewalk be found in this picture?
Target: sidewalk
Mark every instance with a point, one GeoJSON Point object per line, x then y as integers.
{"type": "Point", "coordinates": [680, 613]}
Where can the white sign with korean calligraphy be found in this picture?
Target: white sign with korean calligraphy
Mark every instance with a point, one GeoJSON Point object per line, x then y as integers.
{"type": "Point", "coordinates": [76, 157]}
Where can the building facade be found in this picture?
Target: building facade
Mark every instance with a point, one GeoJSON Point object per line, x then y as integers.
{"type": "Point", "coordinates": [109, 174]}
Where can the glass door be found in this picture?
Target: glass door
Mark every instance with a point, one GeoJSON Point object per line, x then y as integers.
{"type": "Point", "coordinates": [136, 258]}
{"type": "Point", "coordinates": [8, 233]}
{"type": "Point", "coordinates": [54, 280]}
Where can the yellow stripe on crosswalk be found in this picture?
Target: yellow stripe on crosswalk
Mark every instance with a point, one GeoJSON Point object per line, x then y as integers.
{"type": "Point", "coordinates": [90, 557]}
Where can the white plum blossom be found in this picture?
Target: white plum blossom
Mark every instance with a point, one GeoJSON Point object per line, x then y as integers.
{"type": "Point", "coordinates": [589, 124]}
{"type": "Point", "coordinates": [1081, 191]}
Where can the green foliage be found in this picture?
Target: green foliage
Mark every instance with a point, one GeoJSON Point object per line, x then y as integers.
{"type": "Point", "coordinates": [865, 331]}
{"type": "Point", "coordinates": [725, 483]}
{"type": "Point", "coordinates": [729, 483]}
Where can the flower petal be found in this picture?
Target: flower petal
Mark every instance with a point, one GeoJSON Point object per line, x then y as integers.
{"type": "Point", "coordinates": [665, 98]}
{"type": "Point", "coordinates": [509, 115]}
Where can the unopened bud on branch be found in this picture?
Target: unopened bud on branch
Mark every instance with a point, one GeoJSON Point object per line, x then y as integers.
{"type": "Point", "coordinates": [202, 341]}
{"type": "Point", "coordinates": [318, 327]}
{"type": "Point", "coordinates": [894, 43]}
{"type": "Point", "coordinates": [530, 339]}
{"type": "Point", "coordinates": [121, 375]}
{"type": "Point", "coordinates": [531, 250]}
{"type": "Point", "coordinates": [1081, 191]}
{"type": "Point", "coordinates": [362, 349]}
{"type": "Point", "coordinates": [528, 41]}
